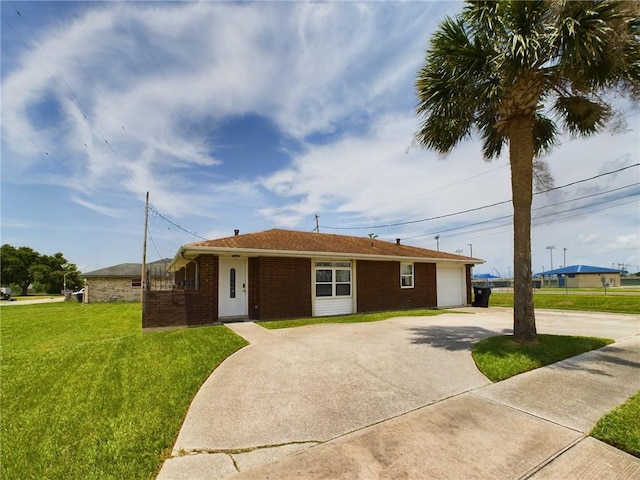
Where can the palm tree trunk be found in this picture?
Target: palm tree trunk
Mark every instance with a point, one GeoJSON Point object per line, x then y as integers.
{"type": "Point", "coordinates": [520, 133]}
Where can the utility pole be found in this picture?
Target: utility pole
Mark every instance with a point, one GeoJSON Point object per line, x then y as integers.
{"type": "Point", "coordinates": [143, 275]}
{"type": "Point", "coordinates": [438, 242]}
{"type": "Point", "coordinates": [470, 250]}
{"type": "Point", "coordinates": [317, 224]}
{"type": "Point", "coordinates": [565, 256]}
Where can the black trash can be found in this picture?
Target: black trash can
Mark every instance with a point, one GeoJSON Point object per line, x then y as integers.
{"type": "Point", "coordinates": [80, 296]}
{"type": "Point", "coordinates": [481, 297]}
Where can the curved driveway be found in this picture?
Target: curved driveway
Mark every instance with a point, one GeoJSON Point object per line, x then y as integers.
{"type": "Point", "coordinates": [295, 388]}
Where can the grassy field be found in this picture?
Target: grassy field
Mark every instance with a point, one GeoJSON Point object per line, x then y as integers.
{"type": "Point", "coordinates": [85, 394]}
{"type": "Point", "coordinates": [584, 299]}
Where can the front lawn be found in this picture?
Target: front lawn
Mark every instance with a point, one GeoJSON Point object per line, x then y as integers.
{"type": "Point", "coordinates": [621, 427]}
{"type": "Point", "coordinates": [85, 394]}
{"type": "Point", "coordinates": [355, 318]}
{"type": "Point", "coordinates": [500, 357]}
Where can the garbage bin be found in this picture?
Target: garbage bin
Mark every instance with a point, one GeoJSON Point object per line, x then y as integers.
{"type": "Point", "coordinates": [80, 296]}
{"type": "Point", "coordinates": [481, 297]}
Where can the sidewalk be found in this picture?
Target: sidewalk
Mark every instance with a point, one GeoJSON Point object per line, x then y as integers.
{"type": "Point", "coordinates": [403, 399]}
{"type": "Point", "coordinates": [534, 426]}
{"type": "Point", "coordinates": [33, 302]}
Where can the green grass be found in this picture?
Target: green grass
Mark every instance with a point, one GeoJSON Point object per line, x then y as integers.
{"type": "Point", "coordinates": [85, 394]}
{"type": "Point", "coordinates": [621, 427]}
{"type": "Point", "coordinates": [585, 301]}
{"type": "Point", "coordinates": [355, 318]}
{"type": "Point", "coordinates": [500, 357]}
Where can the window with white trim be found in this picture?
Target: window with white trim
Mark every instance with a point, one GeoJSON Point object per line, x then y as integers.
{"type": "Point", "coordinates": [406, 275]}
{"type": "Point", "coordinates": [333, 279]}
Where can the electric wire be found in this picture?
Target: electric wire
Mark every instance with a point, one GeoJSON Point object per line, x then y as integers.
{"type": "Point", "coordinates": [160, 257]}
{"type": "Point", "coordinates": [151, 208]}
{"type": "Point", "coordinates": [475, 209]}
{"type": "Point", "coordinates": [71, 94]}
{"type": "Point", "coordinates": [534, 219]}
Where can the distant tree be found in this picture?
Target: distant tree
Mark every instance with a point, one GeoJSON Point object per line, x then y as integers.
{"type": "Point", "coordinates": [24, 266]}
{"type": "Point", "coordinates": [16, 265]}
{"type": "Point", "coordinates": [516, 72]}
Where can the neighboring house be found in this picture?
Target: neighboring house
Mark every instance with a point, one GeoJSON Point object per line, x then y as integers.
{"type": "Point", "coordinates": [123, 282]}
{"type": "Point", "coordinates": [584, 276]}
{"type": "Point", "coordinates": [287, 274]}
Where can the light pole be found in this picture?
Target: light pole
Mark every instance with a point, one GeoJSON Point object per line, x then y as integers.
{"type": "Point", "coordinates": [64, 283]}
{"type": "Point", "coordinates": [550, 248]}
{"type": "Point", "coordinates": [565, 256]}
{"type": "Point", "coordinates": [438, 242]}
{"type": "Point", "coordinates": [470, 250]}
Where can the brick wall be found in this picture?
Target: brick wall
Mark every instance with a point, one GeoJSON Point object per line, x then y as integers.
{"type": "Point", "coordinates": [279, 288]}
{"type": "Point", "coordinates": [205, 309]}
{"type": "Point", "coordinates": [378, 286]}
{"type": "Point", "coordinates": [193, 302]}
{"type": "Point", "coordinates": [110, 290]}
{"type": "Point", "coordinates": [164, 308]}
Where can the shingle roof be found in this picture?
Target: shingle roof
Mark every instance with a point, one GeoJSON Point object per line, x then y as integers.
{"type": "Point", "coordinates": [573, 269]}
{"type": "Point", "coordinates": [125, 269]}
{"type": "Point", "coordinates": [293, 241]}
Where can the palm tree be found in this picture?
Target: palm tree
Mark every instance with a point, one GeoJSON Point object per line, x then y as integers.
{"type": "Point", "coordinates": [516, 73]}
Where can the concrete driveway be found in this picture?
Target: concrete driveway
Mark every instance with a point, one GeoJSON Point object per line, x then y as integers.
{"type": "Point", "coordinates": [292, 389]}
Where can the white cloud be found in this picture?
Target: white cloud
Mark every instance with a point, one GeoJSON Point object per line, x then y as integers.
{"type": "Point", "coordinates": [127, 76]}
{"type": "Point", "coordinates": [135, 93]}
{"type": "Point", "coordinates": [110, 212]}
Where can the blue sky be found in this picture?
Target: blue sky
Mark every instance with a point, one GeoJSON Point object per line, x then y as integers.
{"type": "Point", "coordinates": [262, 115]}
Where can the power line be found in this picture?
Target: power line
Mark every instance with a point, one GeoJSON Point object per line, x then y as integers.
{"type": "Point", "coordinates": [160, 257]}
{"type": "Point", "coordinates": [398, 224]}
{"type": "Point", "coordinates": [175, 224]}
{"type": "Point", "coordinates": [534, 220]}
{"type": "Point", "coordinates": [71, 94]}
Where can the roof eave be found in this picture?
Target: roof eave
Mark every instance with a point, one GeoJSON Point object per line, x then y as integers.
{"type": "Point", "coordinates": [188, 253]}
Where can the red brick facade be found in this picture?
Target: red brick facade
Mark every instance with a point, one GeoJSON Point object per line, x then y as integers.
{"type": "Point", "coordinates": [193, 302]}
{"type": "Point", "coordinates": [281, 287]}
{"type": "Point", "coordinates": [378, 287]}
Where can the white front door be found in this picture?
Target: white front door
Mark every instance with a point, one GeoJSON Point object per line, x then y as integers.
{"type": "Point", "coordinates": [232, 287]}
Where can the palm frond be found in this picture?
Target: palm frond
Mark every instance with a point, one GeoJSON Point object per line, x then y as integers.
{"type": "Point", "coordinates": [581, 115]}
{"type": "Point", "coordinates": [545, 134]}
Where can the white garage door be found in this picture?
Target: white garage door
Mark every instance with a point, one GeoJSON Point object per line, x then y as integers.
{"type": "Point", "coordinates": [452, 291]}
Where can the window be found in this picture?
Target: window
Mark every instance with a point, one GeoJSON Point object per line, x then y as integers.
{"type": "Point", "coordinates": [232, 283]}
{"type": "Point", "coordinates": [136, 283]}
{"type": "Point", "coordinates": [333, 279]}
{"type": "Point", "coordinates": [406, 275]}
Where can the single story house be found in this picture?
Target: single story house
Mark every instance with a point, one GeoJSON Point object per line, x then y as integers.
{"type": "Point", "coordinates": [584, 276]}
{"type": "Point", "coordinates": [123, 282]}
{"type": "Point", "coordinates": [287, 274]}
